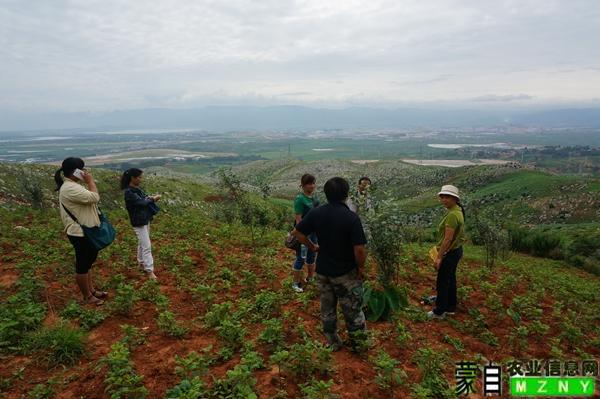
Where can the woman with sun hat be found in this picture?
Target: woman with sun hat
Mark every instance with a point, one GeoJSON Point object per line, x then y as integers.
{"type": "Point", "coordinates": [451, 233]}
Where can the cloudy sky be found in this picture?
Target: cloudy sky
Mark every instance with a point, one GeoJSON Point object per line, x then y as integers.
{"type": "Point", "coordinates": [102, 55]}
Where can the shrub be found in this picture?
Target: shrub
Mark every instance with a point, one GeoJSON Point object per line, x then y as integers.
{"type": "Point", "coordinates": [124, 299]}
{"type": "Point", "coordinates": [90, 318]}
{"type": "Point", "coordinates": [253, 360]}
{"type": "Point", "coordinates": [238, 384]}
{"type": "Point", "coordinates": [242, 206]}
{"type": "Point", "coordinates": [193, 365]}
{"type": "Point", "coordinates": [61, 344]}
{"type": "Point", "coordinates": [204, 293]}
{"type": "Point", "coordinates": [317, 389]}
{"type": "Point", "coordinates": [133, 336]}
{"type": "Point", "coordinates": [169, 326]}
{"type": "Point", "coordinates": [71, 311]}
{"type": "Point", "coordinates": [232, 332]}
{"type": "Point", "coordinates": [536, 242]}
{"type": "Point", "coordinates": [266, 304]}
{"type": "Point", "coordinates": [149, 290]}
{"type": "Point", "coordinates": [19, 314]}
{"type": "Point", "coordinates": [272, 335]}
{"type": "Point", "coordinates": [121, 379]}
{"type": "Point", "coordinates": [433, 382]}
{"type": "Point", "coordinates": [386, 241]}
{"type": "Point", "coordinates": [388, 373]}
{"type": "Point", "coordinates": [43, 391]}
{"type": "Point", "coordinates": [303, 360]}
{"type": "Point", "coordinates": [34, 192]}
{"type": "Point", "coordinates": [404, 335]}
{"type": "Point", "coordinates": [544, 243]}
{"type": "Point", "coordinates": [217, 313]}
{"type": "Point", "coordinates": [487, 231]}
{"type": "Point", "coordinates": [519, 239]}
{"type": "Point", "coordinates": [586, 245]}
{"type": "Point", "coordinates": [188, 389]}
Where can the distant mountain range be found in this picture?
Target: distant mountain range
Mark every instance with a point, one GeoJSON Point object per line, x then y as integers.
{"type": "Point", "coordinates": [220, 118]}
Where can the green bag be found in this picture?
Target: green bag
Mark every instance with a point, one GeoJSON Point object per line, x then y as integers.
{"type": "Point", "coordinates": [99, 236]}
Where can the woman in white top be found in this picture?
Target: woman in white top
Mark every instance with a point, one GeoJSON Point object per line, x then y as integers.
{"type": "Point", "coordinates": [82, 203]}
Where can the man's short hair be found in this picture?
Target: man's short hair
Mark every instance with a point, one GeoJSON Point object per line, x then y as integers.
{"type": "Point", "coordinates": [364, 178]}
{"type": "Point", "coordinates": [336, 189]}
{"type": "Point", "coordinates": [307, 178]}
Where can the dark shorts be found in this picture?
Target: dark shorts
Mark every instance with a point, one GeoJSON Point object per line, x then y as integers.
{"type": "Point", "coordinates": [85, 254]}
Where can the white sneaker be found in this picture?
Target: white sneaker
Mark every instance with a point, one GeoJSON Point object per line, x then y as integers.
{"type": "Point", "coordinates": [296, 287]}
{"type": "Point", "coordinates": [432, 315]}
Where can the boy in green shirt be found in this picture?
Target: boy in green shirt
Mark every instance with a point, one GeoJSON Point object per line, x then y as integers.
{"type": "Point", "coordinates": [304, 202]}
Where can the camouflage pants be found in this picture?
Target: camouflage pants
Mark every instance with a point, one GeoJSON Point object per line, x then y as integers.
{"type": "Point", "coordinates": [348, 291]}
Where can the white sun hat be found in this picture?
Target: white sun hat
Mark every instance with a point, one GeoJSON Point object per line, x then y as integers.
{"type": "Point", "coordinates": [449, 190]}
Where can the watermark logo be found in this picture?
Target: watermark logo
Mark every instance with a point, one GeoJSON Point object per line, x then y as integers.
{"type": "Point", "coordinates": [530, 378]}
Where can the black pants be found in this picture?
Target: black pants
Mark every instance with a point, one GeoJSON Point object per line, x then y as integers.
{"type": "Point", "coordinates": [446, 282]}
{"type": "Point", "coordinates": [85, 254]}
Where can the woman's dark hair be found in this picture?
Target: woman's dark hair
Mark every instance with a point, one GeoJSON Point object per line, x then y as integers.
{"type": "Point", "coordinates": [307, 178]}
{"type": "Point", "coordinates": [67, 168]}
{"type": "Point", "coordinates": [364, 178]}
{"type": "Point", "coordinates": [336, 189]}
{"type": "Point", "coordinates": [462, 208]}
{"type": "Point", "coordinates": [127, 175]}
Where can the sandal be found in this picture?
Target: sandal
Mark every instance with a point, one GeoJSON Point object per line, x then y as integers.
{"type": "Point", "coordinates": [100, 294]}
{"type": "Point", "coordinates": [94, 301]}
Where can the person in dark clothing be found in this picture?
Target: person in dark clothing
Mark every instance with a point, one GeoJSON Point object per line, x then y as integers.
{"type": "Point", "coordinates": [340, 264]}
{"type": "Point", "coordinates": [141, 209]}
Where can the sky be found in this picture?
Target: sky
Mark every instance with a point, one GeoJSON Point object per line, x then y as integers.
{"type": "Point", "coordinates": [95, 56]}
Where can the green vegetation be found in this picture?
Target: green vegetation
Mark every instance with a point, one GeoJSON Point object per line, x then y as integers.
{"type": "Point", "coordinates": [433, 384]}
{"type": "Point", "coordinates": [318, 389]}
{"type": "Point", "coordinates": [222, 322]}
{"type": "Point", "coordinates": [60, 344]}
{"type": "Point", "coordinates": [304, 359]}
{"type": "Point", "coordinates": [388, 373]}
{"type": "Point", "coordinates": [121, 379]}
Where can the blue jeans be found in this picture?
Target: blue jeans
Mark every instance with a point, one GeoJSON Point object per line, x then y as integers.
{"type": "Point", "coordinates": [303, 255]}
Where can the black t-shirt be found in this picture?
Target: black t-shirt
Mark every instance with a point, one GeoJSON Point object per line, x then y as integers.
{"type": "Point", "coordinates": [338, 230]}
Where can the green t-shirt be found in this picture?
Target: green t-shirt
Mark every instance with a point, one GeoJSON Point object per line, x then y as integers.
{"type": "Point", "coordinates": [304, 203]}
{"type": "Point", "coordinates": [453, 219]}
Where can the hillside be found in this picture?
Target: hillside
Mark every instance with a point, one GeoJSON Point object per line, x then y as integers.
{"type": "Point", "coordinates": [223, 315]}
{"type": "Point", "coordinates": [528, 196]}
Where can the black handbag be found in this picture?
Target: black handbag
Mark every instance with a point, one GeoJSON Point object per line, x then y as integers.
{"type": "Point", "coordinates": [292, 242]}
{"type": "Point", "coordinates": [154, 209]}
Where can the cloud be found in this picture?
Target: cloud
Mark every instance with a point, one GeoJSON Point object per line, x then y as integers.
{"type": "Point", "coordinates": [502, 98]}
{"type": "Point", "coordinates": [117, 54]}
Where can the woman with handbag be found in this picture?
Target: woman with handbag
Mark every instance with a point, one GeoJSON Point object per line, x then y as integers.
{"type": "Point", "coordinates": [79, 207]}
{"type": "Point", "coordinates": [304, 202]}
{"type": "Point", "coordinates": [141, 209]}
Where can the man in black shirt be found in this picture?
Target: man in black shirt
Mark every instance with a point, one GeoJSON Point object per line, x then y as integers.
{"type": "Point", "coordinates": [341, 260]}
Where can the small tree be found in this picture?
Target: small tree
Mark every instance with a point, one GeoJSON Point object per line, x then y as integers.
{"type": "Point", "coordinates": [491, 234]}
{"type": "Point", "coordinates": [34, 192]}
{"type": "Point", "coordinates": [241, 204]}
{"type": "Point", "coordinates": [385, 245]}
